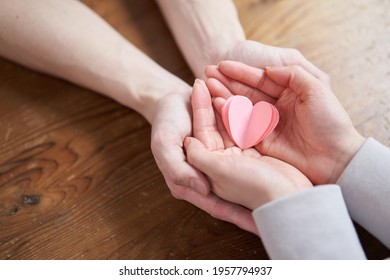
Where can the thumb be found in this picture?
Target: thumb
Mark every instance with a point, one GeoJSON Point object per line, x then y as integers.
{"type": "Point", "coordinates": [296, 78]}
{"type": "Point", "coordinates": [198, 156]}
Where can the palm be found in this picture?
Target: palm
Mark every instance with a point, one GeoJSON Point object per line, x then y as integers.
{"type": "Point", "coordinates": [260, 178]}
{"type": "Point", "coordinates": [299, 139]}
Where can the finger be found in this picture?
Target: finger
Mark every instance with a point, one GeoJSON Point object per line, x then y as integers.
{"type": "Point", "coordinates": [297, 79]}
{"type": "Point", "coordinates": [218, 88]}
{"type": "Point", "coordinates": [219, 208]}
{"type": "Point", "coordinates": [252, 153]}
{"type": "Point", "coordinates": [222, 86]}
{"type": "Point", "coordinates": [199, 156]}
{"type": "Point", "coordinates": [227, 140]}
{"type": "Point", "coordinates": [250, 76]}
{"type": "Point", "coordinates": [276, 56]}
{"type": "Point", "coordinates": [204, 124]}
{"type": "Point", "coordinates": [175, 169]}
{"type": "Point", "coordinates": [294, 57]}
{"type": "Point", "coordinates": [212, 71]}
{"type": "Point", "coordinates": [218, 103]}
{"type": "Point", "coordinates": [207, 161]}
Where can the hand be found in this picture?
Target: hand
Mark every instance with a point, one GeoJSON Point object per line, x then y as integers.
{"type": "Point", "coordinates": [244, 177]}
{"type": "Point", "coordinates": [260, 55]}
{"type": "Point", "coordinates": [314, 134]}
{"type": "Point", "coordinates": [171, 124]}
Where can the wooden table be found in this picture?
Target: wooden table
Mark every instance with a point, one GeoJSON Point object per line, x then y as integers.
{"type": "Point", "coordinates": [78, 179]}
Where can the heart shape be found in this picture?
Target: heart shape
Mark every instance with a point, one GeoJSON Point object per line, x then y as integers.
{"type": "Point", "coordinates": [248, 125]}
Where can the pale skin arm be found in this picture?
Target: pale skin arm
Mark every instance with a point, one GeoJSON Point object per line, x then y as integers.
{"type": "Point", "coordinates": [66, 39]}
{"type": "Point", "coordinates": [210, 31]}
{"type": "Point", "coordinates": [203, 29]}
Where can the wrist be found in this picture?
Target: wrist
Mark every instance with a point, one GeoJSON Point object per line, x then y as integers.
{"type": "Point", "coordinates": [204, 30]}
{"type": "Point", "coordinates": [346, 153]}
{"type": "Point", "coordinates": [143, 83]}
{"type": "Point", "coordinates": [220, 44]}
{"type": "Point", "coordinates": [217, 46]}
{"type": "Point", "coordinates": [147, 101]}
{"type": "Point", "coordinates": [225, 49]}
{"type": "Point", "coordinates": [294, 187]}
{"type": "Point", "coordinates": [287, 183]}
{"type": "Point", "coordinates": [276, 195]}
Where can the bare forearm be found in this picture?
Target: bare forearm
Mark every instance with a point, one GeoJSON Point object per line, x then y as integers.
{"type": "Point", "coordinates": [66, 39]}
{"type": "Point", "coordinates": [203, 29]}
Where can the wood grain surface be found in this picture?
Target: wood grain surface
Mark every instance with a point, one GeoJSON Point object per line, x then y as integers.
{"type": "Point", "coordinates": [78, 179]}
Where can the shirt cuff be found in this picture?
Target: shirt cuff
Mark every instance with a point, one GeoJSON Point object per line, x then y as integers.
{"type": "Point", "coordinates": [312, 224]}
{"type": "Point", "coordinates": [365, 184]}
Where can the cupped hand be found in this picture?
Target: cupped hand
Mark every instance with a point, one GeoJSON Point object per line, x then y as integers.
{"type": "Point", "coordinates": [314, 133]}
{"type": "Point", "coordinates": [260, 55]}
{"type": "Point", "coordinates": [171, 124]}
{"type": "Point", "coordinates": [244, 177]}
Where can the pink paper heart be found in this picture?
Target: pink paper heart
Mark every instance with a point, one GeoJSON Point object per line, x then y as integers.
{"type": "Point", "coordinates": [246, 124]}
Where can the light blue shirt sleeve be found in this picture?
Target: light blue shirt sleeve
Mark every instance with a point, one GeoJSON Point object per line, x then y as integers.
{"type": "Point", "coordinates": [312, 224]}
{"type": "Point", "coordinates": [316, 223]}
{"type": "Point", "coordinates": [365, 185]}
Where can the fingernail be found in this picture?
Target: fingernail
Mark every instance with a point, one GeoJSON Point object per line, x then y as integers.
{"type": "Point", "coordinates": [206, 69]}
{"type": "Point", "coordinates": [187, 141]}
{"type": "Point", "coordinates": [268, 68]}
{"type": "Point", "coordinates": [201, 84]}
{"type": "Point", "coordinates": [197, 81]}
{"type": "Point", "coordinates": [219, 63]}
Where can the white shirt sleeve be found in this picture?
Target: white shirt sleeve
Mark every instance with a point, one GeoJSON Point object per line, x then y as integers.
{"type": "Point", "coordinates": [365, 185]}
{"type": "Point", "coordinates": [312, 224]}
